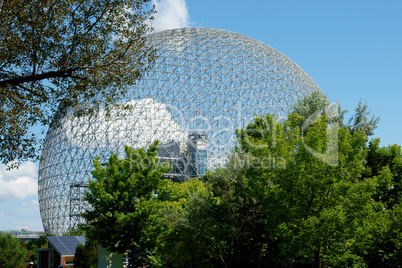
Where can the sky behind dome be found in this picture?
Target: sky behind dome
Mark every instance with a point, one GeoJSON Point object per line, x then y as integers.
{"type": "Point", "coordinates": [351, 49]}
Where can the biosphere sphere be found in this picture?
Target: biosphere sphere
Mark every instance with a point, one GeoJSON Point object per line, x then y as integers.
{"type": "Point", "coordinates": [205, 84]}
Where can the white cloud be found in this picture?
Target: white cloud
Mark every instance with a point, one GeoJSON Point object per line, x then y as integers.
{"type": "Point", "coordinates": [18, 183]}
{"type": "Point", "coordinates": [170, 14]}
{"type": "Point", "coordinates": [30, 203]}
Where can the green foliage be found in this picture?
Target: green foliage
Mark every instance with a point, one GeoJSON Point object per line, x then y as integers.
{"type": "Point", "coordinates": [381, 246]}
{"type": "Point", "coordinates": [275, 204]}
{"type": "Point", "coordinates": [317, 104]}
{"type": "Point", "coordinates": [314, 102]}
{"type": "Point", "coordinates": [86, 256]}
{"type": "Point", "coordinates": [385, 163]}
{"type": "Point", "coordinates": [57, 54]}
{"type": "Point", "coordinates": [33, 245]}
{"type": "Point", "coordinates": [181, 241]}
{"type": "Point", "coordinates": [12, 251]}
{"type": "Point", "coordinates": [284, 199]}
{"type": "Point", "coordinates": [299, 212]}
{"type": "Point", "coordinates": [74, 232]}
{"type": "Point", "coordinates": [314, 209]}
{"type": "Point", "coordinates": [361, 122]}
{"type": "Point", "coordinates": [124, 204]}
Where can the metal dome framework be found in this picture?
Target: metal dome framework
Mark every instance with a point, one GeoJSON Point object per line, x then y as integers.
{"type": "Point", "coordinates": [205, 81]}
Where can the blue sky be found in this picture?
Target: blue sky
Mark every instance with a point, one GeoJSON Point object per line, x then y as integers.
{"type": "Point", "coordinates": [351, 49]}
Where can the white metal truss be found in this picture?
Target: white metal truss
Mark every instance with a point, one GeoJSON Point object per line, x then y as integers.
{"type": "Point", "coordinates": [204, 80]}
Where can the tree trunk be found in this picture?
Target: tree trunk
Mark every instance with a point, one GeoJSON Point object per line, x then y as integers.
{"type": "Point", "coordinates": [317, 259]}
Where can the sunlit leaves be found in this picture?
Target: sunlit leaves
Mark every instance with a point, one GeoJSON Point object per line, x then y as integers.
{"type": "Point", "coordinates": [123, 202]}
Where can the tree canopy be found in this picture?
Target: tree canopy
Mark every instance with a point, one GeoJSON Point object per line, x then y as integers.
{"type": "Point", "coordinates": [86, 256]}
{"type": "Point", "coordinates": [360, 121]}
{"type": "Point", "coordinates": [12, 250]}
{"type": "Point", "coordinates": [275, 204]}
{"type": "Point", "coordinates": [324, 197]}
{"type": "Point", "coordinates": [317, 104]}
{"type": "Point", "coordinates": [122, 197]}
{"type": "Point", "coordinates": [385, 163]}
{"type": "Point", "coordinates": [55, 55]}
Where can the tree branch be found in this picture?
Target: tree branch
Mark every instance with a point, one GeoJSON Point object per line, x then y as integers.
{"type": "Point", "coordinates": [77, 40]}
{"type": "Point", "coordinates": [33, 78]}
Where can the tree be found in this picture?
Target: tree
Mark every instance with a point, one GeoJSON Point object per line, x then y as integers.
{"type": "Point", "coordinates": [230, 223]}
{"type": "Point", "coordinates": [86, 256]}
{"type": "Point", "coordinates": [33, 246]}
{"type": "Point", "coordinates": [180, 242]}
{"type": "Point", "coordinates": [385, 163]}
{"type": "Point", "coordinates": [315, 209]}
{"type": "Point", "coordinates": [275, 204]}
{"type": "Point", "coordinates": [284, 199]}
{"type": "Point", "coordinates": [55, 55]}
{"type": "Point", "coordinates": [12, 252]}
{"type": "Point", "coordinates": [317, 104]}
{"type": "Point", "coordinates": [312, 103]}
{"type": "Point", "coordinates": [360, 121]}
{"type": "Point", "coordinates": [382, 247]}
{"type": "Point", "coordinates": [123, 202]}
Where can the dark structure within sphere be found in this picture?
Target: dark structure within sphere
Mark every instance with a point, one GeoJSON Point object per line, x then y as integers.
{"type": "Point", "coordinates": [205, 84]}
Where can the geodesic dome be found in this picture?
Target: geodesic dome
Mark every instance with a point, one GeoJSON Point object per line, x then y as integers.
{"type": "Point", "coordinates": [205, 84]}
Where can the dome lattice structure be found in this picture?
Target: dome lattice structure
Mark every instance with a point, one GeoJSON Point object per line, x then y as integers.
{"type": "Point", "coordinates": [205, 84]}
